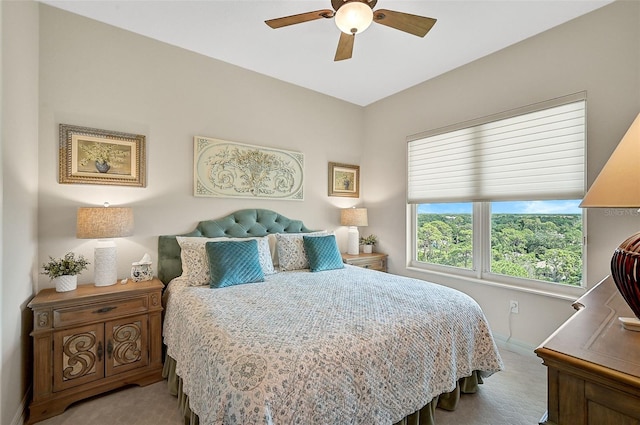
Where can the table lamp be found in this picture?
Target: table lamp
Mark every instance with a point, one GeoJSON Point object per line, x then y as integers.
{"type": "Point", "coordinates": [618, 186]}
{"type": "Point", "coordinates": [353, 217]}
{"type": "Point", "coordinates": [104, 223]}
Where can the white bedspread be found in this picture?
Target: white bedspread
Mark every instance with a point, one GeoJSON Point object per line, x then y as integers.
{"type": "Point", "coordinates": [335, 347]}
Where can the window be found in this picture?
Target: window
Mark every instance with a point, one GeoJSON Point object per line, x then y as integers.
{"type": "Point", "coordinates": [498, 198]}
{"type": "Point", "coordinates": [445, 234]}
{"type": "Point", "coordinates": [537, 240]}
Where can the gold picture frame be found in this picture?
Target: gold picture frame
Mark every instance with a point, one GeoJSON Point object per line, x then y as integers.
{"type": "Point", "coordinates": [344, 180]}
{"type": "Point", "coordinates": [94, 156]}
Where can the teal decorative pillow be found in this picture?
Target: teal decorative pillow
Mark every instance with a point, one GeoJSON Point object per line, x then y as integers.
{"type": "Point", "coordinates": [233, 263]}
{"type": "Point", "coordinates": [322, 252]}
{"type": "Point", "coordinates": [195, 262]}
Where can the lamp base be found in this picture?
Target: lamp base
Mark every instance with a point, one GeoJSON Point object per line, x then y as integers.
{"type": "Point", "coordinates": [625, 271]}
{"type": "Point", "coordinates": [353, 241]}
{"type": "Point", "coordinates": [105, 265]}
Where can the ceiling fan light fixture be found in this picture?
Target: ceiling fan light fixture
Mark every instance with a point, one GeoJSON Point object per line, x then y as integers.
{"type": "Point", "coordinates": [354, 17]}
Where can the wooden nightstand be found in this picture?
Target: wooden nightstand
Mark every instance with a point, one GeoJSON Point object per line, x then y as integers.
{"type": "Point", "coordinates": [375, 261]}
{"type": "Point", "coordinates": [93, 339]}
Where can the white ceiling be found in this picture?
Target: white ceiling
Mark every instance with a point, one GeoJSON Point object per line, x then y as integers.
{"type": "Point", "coordinates": [385, 61]}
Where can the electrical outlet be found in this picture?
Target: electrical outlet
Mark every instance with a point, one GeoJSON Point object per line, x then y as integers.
{"type": "Point", "coordinates": [514, 307]}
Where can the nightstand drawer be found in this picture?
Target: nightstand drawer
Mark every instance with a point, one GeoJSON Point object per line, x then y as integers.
{"type": "Point", "coordinates": [99, 312]}
{"type": "Point", "coordinates": [374, 261]}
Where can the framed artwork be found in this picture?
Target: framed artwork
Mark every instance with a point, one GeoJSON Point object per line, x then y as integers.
{"type": "Point", "coordinates": [344, 180]}
{"type": "Point", "coordinates": [237, 170]}
{"type": "Point", "coordinates": [93, 156]}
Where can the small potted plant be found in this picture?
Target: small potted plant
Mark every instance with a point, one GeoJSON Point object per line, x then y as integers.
{"type": "Point", "coordinates": [367, 243]}
{"type": "Point", "coordinates": [64, 271]}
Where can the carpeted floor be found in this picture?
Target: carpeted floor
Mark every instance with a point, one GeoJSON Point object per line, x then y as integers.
{"type": "Point", "coordinates": [515, 396]}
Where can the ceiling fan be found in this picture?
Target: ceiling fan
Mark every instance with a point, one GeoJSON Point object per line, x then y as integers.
{"type": "Point", "coordinates": [355, 16]}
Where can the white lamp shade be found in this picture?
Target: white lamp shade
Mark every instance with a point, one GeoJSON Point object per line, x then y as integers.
{"type": "Point", "coordinates": [618, 185]}
{"type": "Point", "coordinates": [354, 17]}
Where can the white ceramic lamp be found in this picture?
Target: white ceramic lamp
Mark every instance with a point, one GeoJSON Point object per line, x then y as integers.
{"type": "Point", "coordinates": [618, 186]}
{"type": "Point", "coordinates": [104, 223]}
{"type": "Point", "coordinates": [353, 217]}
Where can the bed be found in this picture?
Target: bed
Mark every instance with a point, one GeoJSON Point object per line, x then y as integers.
{"type": "Point", "coordinates": [310, 340]}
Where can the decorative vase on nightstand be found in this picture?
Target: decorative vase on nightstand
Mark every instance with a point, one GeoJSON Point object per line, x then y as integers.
{"type": "Point", "coordinates": [367, 249]}
{"type": "Point", "coordinates": [66, 282]}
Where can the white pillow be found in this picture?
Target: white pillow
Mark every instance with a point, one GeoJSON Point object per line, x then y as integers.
{"type": "Point", "coordinates": [195, 262]}
{"type": "Point", "coordinates": [291, 253]}
{"type": "Point", "coordinates": [271, 237]}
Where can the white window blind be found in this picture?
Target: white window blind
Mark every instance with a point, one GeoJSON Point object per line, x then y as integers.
{"type": "Point", "coordinates": [535, 155]}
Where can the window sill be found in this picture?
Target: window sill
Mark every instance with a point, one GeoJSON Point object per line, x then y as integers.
{"type": "Point", "coordinates": [569, 293]}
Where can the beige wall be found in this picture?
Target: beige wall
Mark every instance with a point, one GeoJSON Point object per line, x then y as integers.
{"type": "Point", "coordinates": [95, 75]}
{"type": "Point", "coordinates": [18, 205]}
{"type": "Point", "coordinates": [599, 53]}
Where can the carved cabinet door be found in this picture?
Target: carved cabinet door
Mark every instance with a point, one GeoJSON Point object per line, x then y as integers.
{"type": "Point", "coordinates": [126, 344]}
{"type": "Point", "coordinates": [78, 356]}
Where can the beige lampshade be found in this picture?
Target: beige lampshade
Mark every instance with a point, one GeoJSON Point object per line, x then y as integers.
{"type": "Point", "coordinates": [618, 184]}
{"type": "Point", "coordinates": [354, 217]}
{"type": "Point", "coordinates": [104, 222]}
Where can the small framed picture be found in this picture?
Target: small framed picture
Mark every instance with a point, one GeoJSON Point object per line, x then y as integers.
{"type": "Point", "coordinates": [93, 156]}
{"type": "Point", "coordinates": [344, 180]}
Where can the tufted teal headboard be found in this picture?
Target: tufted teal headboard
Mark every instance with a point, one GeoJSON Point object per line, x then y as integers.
{"type": "Point", "coordinates": [240, 224]}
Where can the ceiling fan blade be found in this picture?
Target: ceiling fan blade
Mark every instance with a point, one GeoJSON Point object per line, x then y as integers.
{"type": "Point", "coordinates": [345, 46]}
{"type": "Point", "coordinates": [299, 18]}
{"type": "Point", "coordinates": [413, 24]}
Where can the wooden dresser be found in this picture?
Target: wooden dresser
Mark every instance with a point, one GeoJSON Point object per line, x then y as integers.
{"type": "Point", "coordinates": [374, 261]}
{"type": "Point", "coordinates": [93, 339]}
{"type": "Point", "coordinates": [593, 364]}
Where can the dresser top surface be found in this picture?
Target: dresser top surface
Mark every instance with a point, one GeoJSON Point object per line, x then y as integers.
{"type": "Point", "coordinates": [594, 337]}
{"type": "Point", "coordinates": [88, 292]}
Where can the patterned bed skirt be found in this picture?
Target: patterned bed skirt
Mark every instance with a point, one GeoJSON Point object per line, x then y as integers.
{"type": "Point", "coordinates": [424, 416]}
